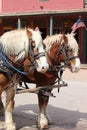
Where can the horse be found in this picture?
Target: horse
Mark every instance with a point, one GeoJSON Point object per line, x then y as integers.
{"type": "Point", "coordinates": [10, 43]}
{"type": "Point", "coordinates": [15, 47]}
{"type": "Point", "coordinates": [59, 48]}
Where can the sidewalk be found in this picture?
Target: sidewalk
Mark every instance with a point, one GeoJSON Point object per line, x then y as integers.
{"type": "Point", "coordinates": [83, 66]}
{"type": "Point", "coordinates": [80, 76]}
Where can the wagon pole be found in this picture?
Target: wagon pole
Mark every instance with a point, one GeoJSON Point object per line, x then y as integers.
{"type": "Point", "coordinates": [40, 88]}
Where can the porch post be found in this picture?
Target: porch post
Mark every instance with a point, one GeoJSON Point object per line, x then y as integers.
{"type": "Point", "coordinates": [19, 23]}
{"type": "Point", "coordinates": [51, 25]}
{"type": "Point", "coordinates": [1, 27]}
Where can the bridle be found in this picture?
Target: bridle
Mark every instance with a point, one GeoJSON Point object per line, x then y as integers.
{"type": "Point", "coordinates": [63, 50]}
{"type": "Point", "coordinates": [34, 57]}
{"type": "Point", "coordinates": [6, 61]}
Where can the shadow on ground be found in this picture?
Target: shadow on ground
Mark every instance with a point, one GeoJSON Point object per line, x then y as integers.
{"type": "Point", "coordinates": [25, 116]}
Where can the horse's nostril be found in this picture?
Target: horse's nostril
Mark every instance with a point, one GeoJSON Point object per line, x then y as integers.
{"type": "Point", "coordinates": [43, 67]}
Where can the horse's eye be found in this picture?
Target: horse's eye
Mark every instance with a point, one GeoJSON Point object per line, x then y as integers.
{"type": "Point", "coordinates": [71, 50]}
{"type": "Point", "coordinates": [67, 48]}
{"type": "Point", "coordinates": [44, 46]}
{"type": "Point", "coordinates": [33, 44]}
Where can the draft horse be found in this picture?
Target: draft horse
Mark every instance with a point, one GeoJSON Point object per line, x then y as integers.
{"type": "Point", "coordinates": [59, 48]}
{"type": "Point", "coordinates": [15, 47]}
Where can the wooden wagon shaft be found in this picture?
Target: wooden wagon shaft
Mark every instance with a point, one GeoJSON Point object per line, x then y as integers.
{"type": "Point", "coordinates": [45, 88]}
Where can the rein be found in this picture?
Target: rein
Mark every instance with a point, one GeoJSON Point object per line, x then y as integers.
{"type": "Point", "coordinates": [73, 57]}
{"type": "Point", "coordinates": [9, 65]}
{"type": "Point", "coordinates": [7, 61]}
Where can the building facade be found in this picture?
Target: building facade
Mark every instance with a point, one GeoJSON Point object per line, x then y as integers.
{"type": "Point", "coordinates": [51, 16]}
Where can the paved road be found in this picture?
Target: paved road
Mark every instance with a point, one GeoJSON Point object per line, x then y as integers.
{"type": "Point", "coordinates": [68, 111]}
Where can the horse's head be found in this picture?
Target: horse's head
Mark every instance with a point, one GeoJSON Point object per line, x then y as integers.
{"type": "Point", "coordinates": [72, 49]}
{"type": "Point", "coordinates": [63, 48]}
{"type": "Point", "coordinates": [36, 50]}
{"type": "Point", "coordinates": [54, 48]}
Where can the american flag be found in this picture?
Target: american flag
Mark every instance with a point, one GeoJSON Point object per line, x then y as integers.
{"type": "Point", "coordinates": [79, 23]}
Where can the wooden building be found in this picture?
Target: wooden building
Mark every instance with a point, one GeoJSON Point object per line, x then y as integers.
{"type": "Point", "coordinates": [51, 16]}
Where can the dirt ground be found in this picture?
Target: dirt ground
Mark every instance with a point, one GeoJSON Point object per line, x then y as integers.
{"type": "Point", "coordinates": [68, 111]}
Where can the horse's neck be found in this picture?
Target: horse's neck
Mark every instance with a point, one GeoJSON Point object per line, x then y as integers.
{"type": "Point", "coordinates": [53, 45]}
{"type": "Point", "coordinates": [30, 72]}
{"type": "Point", "coordinates": [53, 61]}
{"type": "Point", "coordinates": [13, 42]}
{"type": "Point", "coordinates": [56, 55]}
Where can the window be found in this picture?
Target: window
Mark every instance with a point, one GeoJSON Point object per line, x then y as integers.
{"type": "Point", "coordinates": [85, 3]}
{"type": "Point", "coordinates": [43, 0]}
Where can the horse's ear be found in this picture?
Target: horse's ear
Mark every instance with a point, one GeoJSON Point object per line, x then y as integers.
{"type": "Point", "coordinates": [29, 34]}
{"type": "Point", "coordinates": [67, 33]}
{"type": "Point", "coordinates": [73, 34]}
{"type": "Point", "coordinates": [63, 31]}
{"type": "Point", "coordinates": [37, 29]}
{"type": "Point", "coordinates": [65, 38]}
{"type": "Point", "coordinates": [47, 36]}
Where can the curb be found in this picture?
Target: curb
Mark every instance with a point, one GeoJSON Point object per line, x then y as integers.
{"type": "Point", "coordinates": [83, 66]}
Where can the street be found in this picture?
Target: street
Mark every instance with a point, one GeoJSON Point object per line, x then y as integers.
{"type": "Point", "coordinates": [68, 111]}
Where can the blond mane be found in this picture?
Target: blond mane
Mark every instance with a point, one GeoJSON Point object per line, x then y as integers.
{"type": "Point", "coordinates": [50, 40]}
{"type": "Point", "coordinates": [16, 41]}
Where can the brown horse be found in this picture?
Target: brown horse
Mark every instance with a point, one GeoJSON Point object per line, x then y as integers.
{"type": "Point", "coordinates": [59, 48]}
{"type": "Point", "coordinates": [12, 57]}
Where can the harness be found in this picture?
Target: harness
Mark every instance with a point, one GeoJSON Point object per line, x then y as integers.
{"type": "Point", "coordinates": [33, 56]}
{"type": "Point", "coordinates": [8, 69]}
{"type": "Point", "coordinates": [5, 65]}
{"type": "Point", "coordinates": [65, 52]}
{"type": "Point", "coordinates": [58, 72]}
{"type": "Point", "coordinates": [59, 69]}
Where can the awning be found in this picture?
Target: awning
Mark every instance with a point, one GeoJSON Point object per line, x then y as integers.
{"type": "Point", "coordinates": [44, 12]}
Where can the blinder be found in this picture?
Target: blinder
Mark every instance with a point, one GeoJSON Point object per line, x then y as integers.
{"type": "Point", "coordinates": [34, 57]}
{"type": "Point", "coordinates": [64, 49]}
{"type": "Point", "coordinates": [37, 56]}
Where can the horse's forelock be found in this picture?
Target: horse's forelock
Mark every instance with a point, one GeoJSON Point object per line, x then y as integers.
{"type": "Point", "coordinates": [64, 37]}
{"type": "Point", "coordinates": [72, 42]}
{"type": "Point", "coordinates": [36, 37]}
